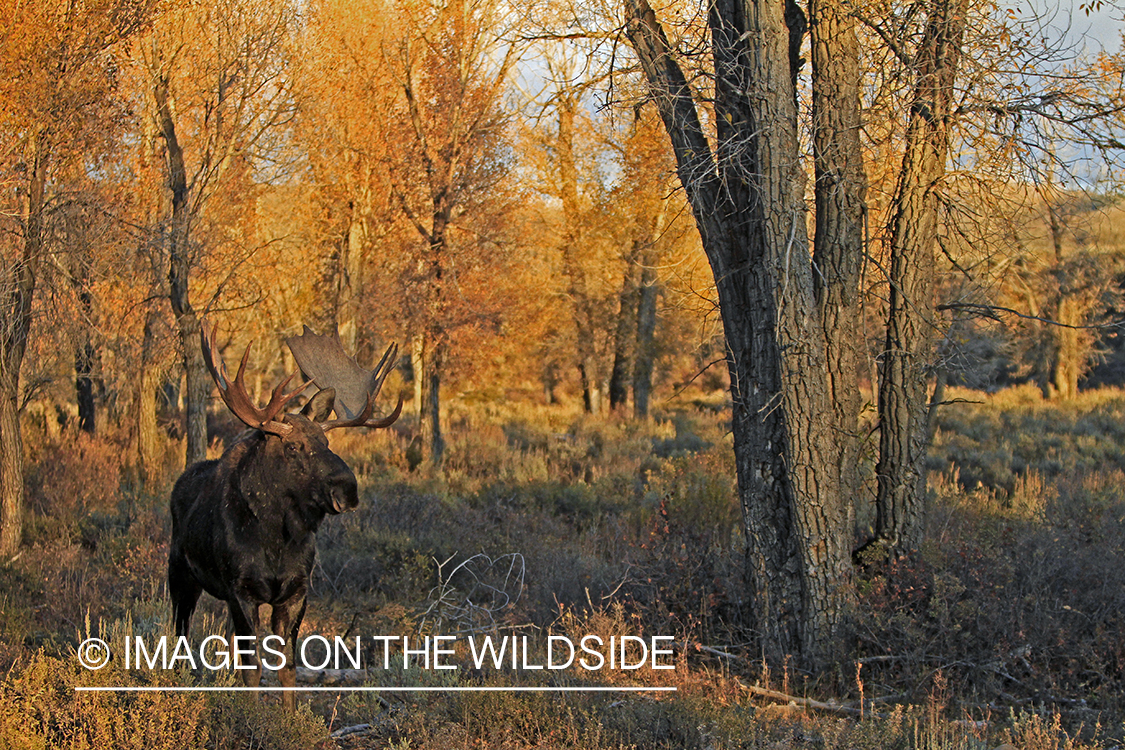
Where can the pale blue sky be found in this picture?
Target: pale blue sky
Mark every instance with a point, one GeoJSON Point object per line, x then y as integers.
{"type": "Point", "coordinates": [1101, 28]}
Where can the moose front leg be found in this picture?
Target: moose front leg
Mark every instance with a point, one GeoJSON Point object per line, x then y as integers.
{"type": "Point", "coordinates": [285, 621]}
{"type": "Point", "coordinates": [244, 617]}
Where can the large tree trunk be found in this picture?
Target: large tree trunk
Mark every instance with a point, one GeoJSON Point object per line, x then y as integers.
{"type": "Point", "coordinates": [747, 199]}
{"type": "Point", "coordinates": [903, 394]}
{"type": "Point", "coordinates": [18, 292]}
{"type": "Point", "coordinates": [841, 187]}
{"type": "Point", "coordinates": [197, 381]}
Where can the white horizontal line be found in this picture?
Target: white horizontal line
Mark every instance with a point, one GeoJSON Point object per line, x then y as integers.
{"type": "Point", "coordinates": [205, 689]}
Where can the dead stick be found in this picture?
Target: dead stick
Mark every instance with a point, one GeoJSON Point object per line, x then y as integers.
{"type": "Point", "coordinates": [806, 702]}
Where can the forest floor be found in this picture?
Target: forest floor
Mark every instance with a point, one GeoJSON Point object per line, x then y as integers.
{"type": "Point", "coordinates": [1007, 627]}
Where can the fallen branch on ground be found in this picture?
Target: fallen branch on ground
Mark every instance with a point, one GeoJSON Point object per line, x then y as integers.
{"type": "Point", "coordinates": [795, 700]}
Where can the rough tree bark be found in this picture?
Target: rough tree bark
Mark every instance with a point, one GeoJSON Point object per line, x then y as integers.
{"type": "Point", "coordinates": [747, 199]}
{"type": "Point", "coordinates": [904, 370]}
{"type": "Point", "coordinates": [841, 188]}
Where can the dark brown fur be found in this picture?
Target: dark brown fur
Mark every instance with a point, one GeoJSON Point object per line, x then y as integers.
{"type": "Point", "coordinates": [244, 526]}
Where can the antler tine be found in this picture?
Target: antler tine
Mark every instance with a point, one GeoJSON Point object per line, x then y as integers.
{"type": "Point", "coordinates": [234, 393]}
{"type": "Point", "coordinates": [279, 399]}
{"type": "Point", "coordinates": [239, 382]}
{"type": "Point", "coordinates": [217, 368]}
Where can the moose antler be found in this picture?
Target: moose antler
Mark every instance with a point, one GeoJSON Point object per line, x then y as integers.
{"type": "Point", "coordinates": [234, 393]}
{"type": "Point", "coordinates": [323, 359]}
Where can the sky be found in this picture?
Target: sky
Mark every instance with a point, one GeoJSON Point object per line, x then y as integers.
{"type": "Point", "coordinates": [1101, 28]}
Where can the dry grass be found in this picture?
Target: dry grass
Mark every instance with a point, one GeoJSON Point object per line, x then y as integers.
{"type": "Point", "coordinates": [1007, 628]}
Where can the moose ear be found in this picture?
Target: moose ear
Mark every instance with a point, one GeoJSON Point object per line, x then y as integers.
{"type": "Point", "coordinates": [320, 406]}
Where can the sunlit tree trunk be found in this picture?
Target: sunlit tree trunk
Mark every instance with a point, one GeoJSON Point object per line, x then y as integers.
{"type": "Point", "coordinates": [589, 369]}
{"type": "Point", "coordinates": [904, 401]}
{"type": "Point", "coordinates": [148, 432]}
{"type": "Point", "coordinates": [748, 200]}
{"type": "Point", "coordinates": [197, 382]}
{"type": "Point", "coordinates": [417, 367]}
{"type": "Point", "coordinates": [18, 291]}
{"type": "Point", "coordinates": [1067, 355]}
{"type": "Point", "coordinates": [1070, 354]}
{"type": "Point", "coordinates": [346, 281]}
{"type": "Point", "coordinates": [841, 187]}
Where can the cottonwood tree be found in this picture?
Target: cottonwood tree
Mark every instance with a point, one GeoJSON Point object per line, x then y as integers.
{"type": "Point", "coordinates": [612, 217]}
{"type": "Point", "coordinates": [746, 192]}
{"type": "Point", "coordinates": [1069, 140]}
{"type": "Point", "coordinates": [840, 193]}
{"type": "Point", "coordinates": [650, 208]}
{"type": "Point", "coordinates": [904, 398]}
{"type": "Point", "coordinates": [58, 103]}
{"type": "Point", "coordinates": [563, 151]}
{"type": "Point", "coordinates": [1067, 290]}
{"type": "Point", "coordinates": [575, 236]}
{"type": "Point", "coordinates": [450, 62]}
{"type": "Point", "coordinates": [1006, 108]}
{"type": "Point", "coordinates": [219, 99]}
{"type": "Point", "coordinates": [404, 123]}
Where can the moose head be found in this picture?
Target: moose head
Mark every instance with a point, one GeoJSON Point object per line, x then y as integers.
{"type": "Point", "coordinates": [244, 525]}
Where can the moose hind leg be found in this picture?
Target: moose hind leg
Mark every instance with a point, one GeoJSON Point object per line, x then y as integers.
{"type": "Point", "coordinates": [184, 592]}
{"type": "Point", "coordinates": [285, 622]}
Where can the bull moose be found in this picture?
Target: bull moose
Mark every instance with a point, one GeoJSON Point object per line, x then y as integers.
{"type": "Point", "coordinates": [244, 525]}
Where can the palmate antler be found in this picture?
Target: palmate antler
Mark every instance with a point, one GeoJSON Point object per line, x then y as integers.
{"type": "Point", "coordinates": [323, 359]}
{"type": "Point", "coordinates": [234, 393]}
